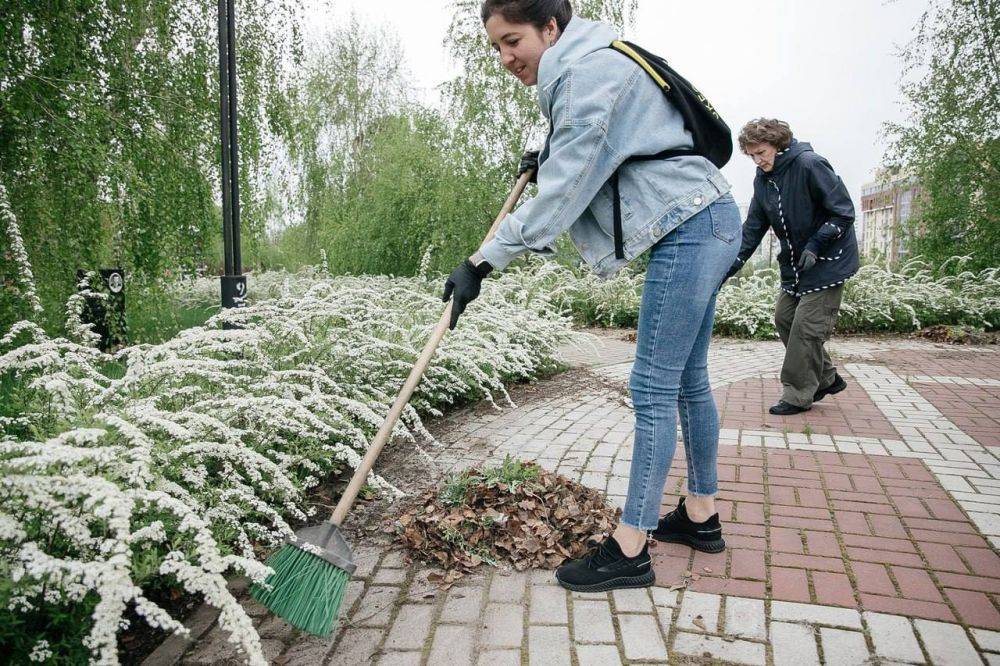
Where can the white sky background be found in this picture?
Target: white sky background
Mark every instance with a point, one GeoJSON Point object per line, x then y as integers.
{"type": "Point", "coordinates": [829, 68]}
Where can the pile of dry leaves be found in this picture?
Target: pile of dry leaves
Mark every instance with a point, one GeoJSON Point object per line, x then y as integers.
{"type": "Point", "coordinates": [516, 514]}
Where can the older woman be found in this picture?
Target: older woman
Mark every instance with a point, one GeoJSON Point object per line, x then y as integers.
{"type": "Point", "coordinates": [797, 194]}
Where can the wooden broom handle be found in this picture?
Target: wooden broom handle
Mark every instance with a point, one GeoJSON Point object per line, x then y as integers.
{"type": "Point", "coordinates": [361, 474]}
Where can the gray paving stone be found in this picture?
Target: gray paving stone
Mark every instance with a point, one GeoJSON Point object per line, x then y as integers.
{"type": "Point", "coordinates": [354, 590]}
{"type": "Point", "coordinates": [601, 596]}
{"type": "Point", "coordinates": [400, 659]}
{"type": "Point", "coordinates": [508, 589]}
{"type": "Point", "coordinates": [844, 647]}
{"type": "Point", "coordinates": [275, 627]}
{"type": "Point", "coordinates": [737, 651]}
{"type": "Point", "coordinates": [356, 646]}
{"type": "Point", "coordinates": [548, 646]}
{"type": "Point", "coordinates": [598, 655]}
{"type": "Point", "coordinates": [500, 658]}
{"type": "Point", "coordinates": [664, 597]}
{"type": "Point", "coordinates": [592, 621]}
{"type": "Point", "coordinates": [745, 618]}
{"type": "Point", "coordinates": [701, 606]}
{"type": "Point", "coordinates": [214, 648]}
{"type": "Point", "coordinates": [462, 605]}
{"type": "Point", "coordinates": [365, 558]}
{"type": "Point", "coordinates": [308, 650]}
{"type": "Point", "coordinates": [271, 648]}
{"type": "Point", "coordinates": [389, 576]}
{"type": "Point", "coordinates": [394, 560]}
{"type": "Point", "coordinates": [634, 600]}
{"type": "Point", "coordinates": [893, 637]}
{"type": "Point", "coordinates": [548, 605]}
{"type": "Point", "coordinates": [451, 645]}
{"type": "Point", "coordinates": [641, 637]}
{"type": "Point", "coordinates": [815, 614]}
{"type": "Point", "coordinates": [375, 608]}
{"type": "Point", "coordinates": [542, 577]}
{"type": "Point", "coordinates": [793, 644]}
{"type": "Point", "coordinates": [987, 640]}
{"type": "Point", "coordinates": [411, 627]}
{"type": "Point", "coordinates": [946, 643]}
{"type": "Point", "coordinates": [503, 625]}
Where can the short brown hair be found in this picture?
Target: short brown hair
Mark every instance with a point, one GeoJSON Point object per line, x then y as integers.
{"type": "Point", "coordinates": [766, 130]}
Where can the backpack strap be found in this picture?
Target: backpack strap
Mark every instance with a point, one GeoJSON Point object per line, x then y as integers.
{"type": "Point", "coordinates": [627, 50]}
{"type": "Point", "coordinates": [622, 47]}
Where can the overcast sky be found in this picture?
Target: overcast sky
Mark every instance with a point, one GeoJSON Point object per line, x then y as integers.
{"type": "Point", "coordinates": [829, 68]}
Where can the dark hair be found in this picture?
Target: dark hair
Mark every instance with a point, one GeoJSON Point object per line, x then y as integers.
{"type": "Point", "coordinates": [535, 12]}
{"type": "Point", "coordinates": [766, 130]}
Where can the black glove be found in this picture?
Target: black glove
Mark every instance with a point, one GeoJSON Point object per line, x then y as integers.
{"type": "Point", "coordinates": [806, 261]}
{"type": "Point", "coordinates": [529, 161]}
{"type": "Point", "coordinates": [464, 284]}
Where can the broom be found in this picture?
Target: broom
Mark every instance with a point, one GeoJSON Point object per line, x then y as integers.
{"type": "Point", "coordinates": [311, 575]}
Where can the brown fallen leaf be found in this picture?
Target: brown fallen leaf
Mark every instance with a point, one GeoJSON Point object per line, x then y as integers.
{"type": "Point", "coordinates": [698, 622]}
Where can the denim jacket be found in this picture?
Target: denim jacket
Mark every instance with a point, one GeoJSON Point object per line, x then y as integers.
{"type": "Point", "coordinates": [602, 108]}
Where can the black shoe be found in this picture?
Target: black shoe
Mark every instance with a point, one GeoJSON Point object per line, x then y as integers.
{"type": "Point", "coordinates": [676, 527]}
{"type": "Point", "coordinates": [786, 409]}
{"type": "Point", "coordinates": [605, 568]}
{"type": "Point", "coordinates": [837, 386]}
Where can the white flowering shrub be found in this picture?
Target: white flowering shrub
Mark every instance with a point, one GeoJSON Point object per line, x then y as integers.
{"type": "Point", "coordinates": [25, 288]}
{"type": "Point", "coordinates": [170, 466]}
{"type": "Point", "coordinates": [876, 299]}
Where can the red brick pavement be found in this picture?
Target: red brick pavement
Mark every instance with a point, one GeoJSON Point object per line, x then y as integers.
{"type": "Point", "coordinates": [872, 532]}
{"type": "Point", "coordinates": [744, 405]}
{"type": "Point", "coordinates": [951, 361]}
{"type": "Point", "coordinates": [974, 409]}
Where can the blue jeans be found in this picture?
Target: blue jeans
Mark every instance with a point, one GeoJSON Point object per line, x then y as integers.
{"type": "Point", "coordinates": [671, 364]}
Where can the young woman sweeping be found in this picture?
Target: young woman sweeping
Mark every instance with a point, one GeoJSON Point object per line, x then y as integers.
{"type": "Point", "coordinates": [603, 108]}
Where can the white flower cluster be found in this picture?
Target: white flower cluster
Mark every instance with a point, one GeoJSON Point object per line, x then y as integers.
{"type": "Point", "coordinates": [25, 277]}
{"type": "Point", "coordinates": [75, 327]}
{"type": "Point", "coordinates": [187, 459]}
{"type": "Point", "coordinates": [877, 298]}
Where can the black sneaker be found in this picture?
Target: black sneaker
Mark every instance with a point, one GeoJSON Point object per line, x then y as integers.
{"type": "Point", "coordinates": [676, 527]}
{"type": "Point", "coordinates": [786, 409]}
{"type": "Point", "coordinates": [837, 386]}
{"type": "Point", "coordinates": [605, 568]}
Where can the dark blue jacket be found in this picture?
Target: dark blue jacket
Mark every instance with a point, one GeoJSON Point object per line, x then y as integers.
{"type": "Point", "coordinates": [809, 208]}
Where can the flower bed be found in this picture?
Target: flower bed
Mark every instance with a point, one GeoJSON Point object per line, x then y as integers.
{"type": "Point", "coordinates": [167, 467]}
{"type": "Point", "coordinates": [876, 300]}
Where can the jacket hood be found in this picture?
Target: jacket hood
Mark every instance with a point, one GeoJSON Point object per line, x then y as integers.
{"type": "Point", "coordinates": [580, 38]}
{"type": "Point", "coordinates": [786, 157]}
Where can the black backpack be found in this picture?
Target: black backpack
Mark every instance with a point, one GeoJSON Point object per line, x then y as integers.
{"type": "Point", "coordinates": [712, 137]}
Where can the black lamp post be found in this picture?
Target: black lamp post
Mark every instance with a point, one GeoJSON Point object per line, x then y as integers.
{"type": "Point", "coordinates": [234, 283]}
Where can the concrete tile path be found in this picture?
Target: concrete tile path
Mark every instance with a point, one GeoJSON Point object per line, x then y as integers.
{"type": "Point", "coordinates": [863, 531]}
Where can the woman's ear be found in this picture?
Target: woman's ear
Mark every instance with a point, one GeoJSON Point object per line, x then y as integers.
{"type": "Point", "coordinates": [551, 31]}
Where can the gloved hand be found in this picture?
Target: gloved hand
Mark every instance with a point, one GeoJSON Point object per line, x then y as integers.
{"type": "Point", "coordinates": [463, 286]}
{"type": "Point", "coordinates": [529, 161]}
{"type": "Point", "coordinates": [806, 261]}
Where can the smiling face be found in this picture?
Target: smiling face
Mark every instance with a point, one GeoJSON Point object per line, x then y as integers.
{"type": "Point", "coordinates": [762, 154]}
{"type": "Point", "coordinates": [521, 45]}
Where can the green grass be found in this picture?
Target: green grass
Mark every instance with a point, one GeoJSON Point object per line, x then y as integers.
{"type": "Point", "coordinates": [156, 318]}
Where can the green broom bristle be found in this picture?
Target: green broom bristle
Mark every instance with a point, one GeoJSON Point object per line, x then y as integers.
{"type": "Point", "coordinates": [306, 590]}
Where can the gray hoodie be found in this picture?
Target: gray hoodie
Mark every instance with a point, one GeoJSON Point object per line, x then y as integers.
{"type": "Point", "coordinates": [603, 108]}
